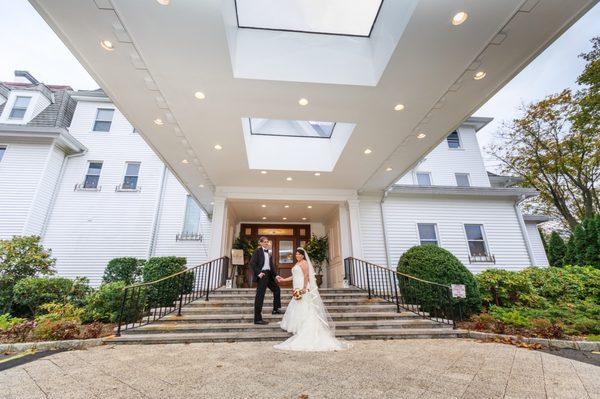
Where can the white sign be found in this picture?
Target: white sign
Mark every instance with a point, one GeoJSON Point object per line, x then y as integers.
{"type": "Point", "coordinates": [228, 283]}
{"type": "Point", "coordinates": [345, 284]}
{"type": "Point", "coordinates": [459, 291]}
{"type": "Point", "coordinates": [237, 256]}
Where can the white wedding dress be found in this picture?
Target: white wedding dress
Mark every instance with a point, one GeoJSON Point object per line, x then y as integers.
{"type": "Point", "coordinates": [308, 319]}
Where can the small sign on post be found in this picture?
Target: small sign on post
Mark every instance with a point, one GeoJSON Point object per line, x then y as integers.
{"type": "Point", "coordinates": [237, 257]}
{"type": "Point", "coordinates": [458, 291]}
{"type": "Point", "coordinates": [345, 284]}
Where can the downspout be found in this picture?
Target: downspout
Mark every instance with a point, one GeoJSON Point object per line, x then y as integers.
{"type": "Point", "coordinates": [61, 174]}
{"type": "Point", "coordinates": [524, 230]}
{"type": "Point", "coordinates": [385, 241]}
{"type": "Point", "coordinates": [157, 213]}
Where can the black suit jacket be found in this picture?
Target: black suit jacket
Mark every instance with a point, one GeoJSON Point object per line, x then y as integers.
{"type": "Point", "coordinates": [258, 260]}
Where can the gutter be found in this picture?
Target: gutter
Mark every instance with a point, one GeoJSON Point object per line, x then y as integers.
{"type": "Point", "coordinates": [524, 229]}
{"type": "Point", "coordinates": [383, 228]}
{"type": "Point", "coordinates": [157, 213]}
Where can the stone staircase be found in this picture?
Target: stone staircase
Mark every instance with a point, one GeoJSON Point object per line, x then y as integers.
{"type": "Point", "coordinates": [228, 317]}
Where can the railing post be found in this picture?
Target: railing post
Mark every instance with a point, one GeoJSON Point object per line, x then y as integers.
{"type": "Point", "coordinates": [121, 312]}
{"type": "Point", "coordinates": [395, 281]}
{"type": "Point", "coordinates": [368, 282]}
{"type": "Point", "coordinates": [208, 280]}
{"type": "Point", "coordinates": [181, 286]}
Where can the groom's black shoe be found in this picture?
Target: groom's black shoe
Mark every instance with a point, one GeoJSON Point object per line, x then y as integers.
{"type": "Point", "coordinates": [276, 311]}
{"type": "Point", "coordinates": [261, 322]}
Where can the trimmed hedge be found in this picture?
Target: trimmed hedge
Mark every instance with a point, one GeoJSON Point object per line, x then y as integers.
{"type": "Point", "coordinates": [166, 292]}
{"type": "Point", "coordinates": [432, 263]}
{"type": "Point", "coordinates": [126, 269]}
{"type": "Point", "coordinates": [32, 292]}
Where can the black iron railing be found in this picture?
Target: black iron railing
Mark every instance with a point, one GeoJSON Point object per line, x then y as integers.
{"type": "Point", "coordinates": [425, 298]}
{"type": "Point", "coordinates": [144, 303]}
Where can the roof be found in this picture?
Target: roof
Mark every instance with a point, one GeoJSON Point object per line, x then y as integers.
{"type": "Point", "coordinates": [515, 192]}
{"type": "Point", "coordinates": [504, 181]}
{"type": "Point", "coordinates": [536, 218]}
{"type": "Point", "coordinates": [478, 122]}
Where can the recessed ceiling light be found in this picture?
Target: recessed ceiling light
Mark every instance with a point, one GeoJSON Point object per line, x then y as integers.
{"type": "Point", "coordinates": [185, 161]}
{"type": "Point", "coordinates": [284, 218]}
{"type": "Point", "coordinates": [421, 135]}
{"type": "Point", "coordinates": [212, 203]}
{"type": "Point", "coordinates": [309, 207]}
{"type": "Point", "coordinates": [263, 206]}
{"type": "Point", "coordinates": [303, 218]}
{"type": "Point", "coordinates": [158, 121]}
{"type": "Point", "coordinates": [367, 151]}
{"type": "Point", "coordinates": [107, 45]}
{"type": "Point", "coordinates": [303, 101]}
{"type": "Point", "coordinates": [388, 169]}
{"type": "Point", "coordinates": [264, 218]}
{"type": "Point", "coordinates": [399, 107]}
{"type": "Point", "coordinates": [459, 18]}
{"type": "Point", "coordinates": [218, 147]}
{"type": "Point", "coordinates": [479, 75]}
{"type": "Point", "coordinates": [201, 185]}
{"type": "Point", "coordinates": [289, 179]}
{"type": "Point", "coordinates": [163, 2]}
{"type": "Point", "coordinates": [199, 95]}
{"type": "Point", "coordinates": [286, 206]}
{"type": "Point", "coordinates": [263, 172]}
{"type": "Point", "coordinates": [317, 174]}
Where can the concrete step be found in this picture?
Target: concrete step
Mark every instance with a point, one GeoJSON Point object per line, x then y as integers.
{"type": "Point", "coordinates": [285, 294]}
{"type": "Point", "coordinates": [173, 338]}
{"type": "Point", "coordinates": [175, 327]}
{"type": "Point", "coordinates": [249, 309]}
{"type": "Point", "coordinates": [322, 291]}
{"type": "Point", "coordinates": [249, 317]}
{"type": "Point", "coordinates": [236, 302]}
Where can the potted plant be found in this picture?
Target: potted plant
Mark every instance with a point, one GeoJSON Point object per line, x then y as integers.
{"type": "Point", "coordinates": [318, 251]}
{"type": "Point", "coordinates": [248, 246]}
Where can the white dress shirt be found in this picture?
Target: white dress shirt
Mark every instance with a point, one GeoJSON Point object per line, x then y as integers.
{"type": "Point", "coordinates": [267, 264]}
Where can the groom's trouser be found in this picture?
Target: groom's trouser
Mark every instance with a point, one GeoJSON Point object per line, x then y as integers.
{"type": "Point", "coordinates": [268, 280]}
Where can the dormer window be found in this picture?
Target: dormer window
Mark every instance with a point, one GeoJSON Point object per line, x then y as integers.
{"type": "Point", "coordinates": [19, 108]}
{"type": "Point", "coordinates": [423, 178]}
{"type": "Point", "coordinates": [453, 140]}
{"type": "Point", "coordinates": [103, 120]}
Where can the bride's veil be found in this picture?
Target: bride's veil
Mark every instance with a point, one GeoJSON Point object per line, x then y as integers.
{"type": "Point", "coordinates": [315, 297]}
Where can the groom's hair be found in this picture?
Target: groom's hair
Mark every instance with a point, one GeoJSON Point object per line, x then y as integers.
{"type": "Point", "coordinates": [263, 239]}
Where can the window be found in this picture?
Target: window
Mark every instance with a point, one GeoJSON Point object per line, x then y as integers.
{"type": "Point", "coordinates": [19, 107]}
{"type": "Point", "coordinates": [462, 180]}
{"type": "Point", "coordinates": [453, 140]}
{"type": "Point", "coordinates": [191, 222]}
{"type": "Point", "coordinates": [103, 120]}
{"type": "Point", "coordinates": [427, 233]}
{"type": "Point", "coordinates": [132, 171]}
{"type": "Point", "coordinates": [93, 175]}
{"type": "Point", "coordinates": [476, 240]}
{"type": "Point", "coordinates": [2, 151]}
{"type": "Point", "coordinates": [424, 178]}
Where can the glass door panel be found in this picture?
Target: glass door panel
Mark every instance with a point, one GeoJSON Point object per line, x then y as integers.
{"type": "Point", "coordinates": [286, 252]}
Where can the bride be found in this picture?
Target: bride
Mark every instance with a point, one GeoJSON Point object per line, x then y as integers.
{"type": "Point", "coordinates": [307, 317]}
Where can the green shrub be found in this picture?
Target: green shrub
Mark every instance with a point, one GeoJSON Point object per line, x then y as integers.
{"type": "Point", "coordinates": [33, 292]}
{"type": "Point", "coordinates": [50, 330]}
{"type": "Point", "coordinates": [512, 316]}
{"type": "Point", "coordinates": [166, 292]}
{"type": "Point", "coordinates": [7, 321]}
{"type": "Point", "coordinates": [505, 288]}
{"type": "Point", "coordinates": [125, 269]}
{"type": "Point", "coordinates": [20, 257]}
{"type": "Point", "coordinates": [80, 291]}
{"type": "Point", "coordinates": [568, 284]}
{"type": "Point", "coordinates": [557, 250]}
{"type": "Point", "coordinates": [432, 263]}
{"type": "Point", "coordinates": [59, 311]}
{"type": "Point", "coordinates": [20, 332]}
{"type": "Point", "coordinates": [105, 304]}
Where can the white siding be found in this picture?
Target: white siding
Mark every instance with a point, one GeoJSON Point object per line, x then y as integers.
{"type": "Point", "coordinates": [20, 171]}
{"type": "Point", "coordinates": [539, 254]}
{"type": "Point", "coordinates": [443, 162]}
{"type": "Point", "coordinates": [504, 236]}
{"type": "Point", "coordinates": [170, 224]}
{"type": "Point", "coordinates": [36, 105]}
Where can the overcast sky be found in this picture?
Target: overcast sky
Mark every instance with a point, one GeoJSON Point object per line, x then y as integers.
{"type": "Point", "coordinates": [38, 50]}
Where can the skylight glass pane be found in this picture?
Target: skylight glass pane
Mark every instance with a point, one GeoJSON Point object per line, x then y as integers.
{"type": "Point", "coordinates": [291, 128]}
{"type": "Point", "coordinates": [338, 17]}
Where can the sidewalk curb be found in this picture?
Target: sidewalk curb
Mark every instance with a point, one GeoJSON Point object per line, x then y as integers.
{"type": "Point", "coordinates": [585, 346]}
{"type": "Point", "coordinates": [51, 345]}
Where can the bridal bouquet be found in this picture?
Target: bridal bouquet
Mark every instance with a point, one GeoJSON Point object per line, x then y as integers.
{"type": "Point", "coordinates": [297, 294]}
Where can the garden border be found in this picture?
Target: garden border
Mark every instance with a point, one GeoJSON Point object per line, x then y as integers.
{"type": "Point", "coordinates": [584, 346]}
{"type": "Point", "coordinates": [51, 345]}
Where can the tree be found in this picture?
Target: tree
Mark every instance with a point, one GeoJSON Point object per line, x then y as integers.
{"type": "Point", "coordinates": [571, 252]}
{"type": "Point", "coordinates": [583, 248]}
{"type": "Point", "coordinates": [20, 257]}
{"type": "Point", "coordinates": [556, 250]}
{"type": "Point", "coordinates": [555, 147]}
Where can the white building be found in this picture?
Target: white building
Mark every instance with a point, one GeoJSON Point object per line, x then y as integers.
{"type": "Point", "coordinates": [76, 172]}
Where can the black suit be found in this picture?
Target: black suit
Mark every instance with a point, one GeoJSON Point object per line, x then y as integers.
{"type": "Point", "coordinates": [268, 280]}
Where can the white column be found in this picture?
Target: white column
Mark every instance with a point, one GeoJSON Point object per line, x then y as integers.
{"type": "Point", "coordinates": [354, 219]}
{"type": "Point", "coordinates": [218, 226]}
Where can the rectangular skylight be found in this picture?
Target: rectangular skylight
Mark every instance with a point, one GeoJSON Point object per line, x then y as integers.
{"type": "Point", "coordinates": [291, 128]}
{"type": "Point", "coordinates": [334, 17]}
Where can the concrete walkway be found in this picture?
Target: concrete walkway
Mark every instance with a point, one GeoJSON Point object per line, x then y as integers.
{"type": "Point", "coordinates": [371, 369]}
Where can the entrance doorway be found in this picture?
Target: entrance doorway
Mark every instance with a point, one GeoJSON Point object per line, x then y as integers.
{"type": "Point", "coordinates": [284, 239]}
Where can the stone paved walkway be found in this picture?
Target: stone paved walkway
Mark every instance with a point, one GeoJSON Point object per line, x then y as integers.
{"type": "Point", "coordinates": [371, 369]}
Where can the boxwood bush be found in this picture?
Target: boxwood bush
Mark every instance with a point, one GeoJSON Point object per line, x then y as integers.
{"type": "Point", "coordinates": [432, 263]}
{"type": "Point", "coordinates": [125, 269]}
{"type": "Point", "coordinates": [166, 292]}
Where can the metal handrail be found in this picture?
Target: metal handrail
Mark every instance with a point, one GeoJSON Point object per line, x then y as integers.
{"type": "Point", "coordinates": [144, 303]}
{"type": "Point", "coordinates": [428, 299]}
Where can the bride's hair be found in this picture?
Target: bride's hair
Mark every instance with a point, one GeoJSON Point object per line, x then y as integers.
{"type": "Point", "coordinates": [301, 252]}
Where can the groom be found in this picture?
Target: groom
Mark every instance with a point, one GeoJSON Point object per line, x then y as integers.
{"type": "Point", "coordinates": [264, 275]}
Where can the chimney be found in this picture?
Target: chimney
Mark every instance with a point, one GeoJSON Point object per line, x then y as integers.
{"type": "Point", "coordinates": [25, 77]}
